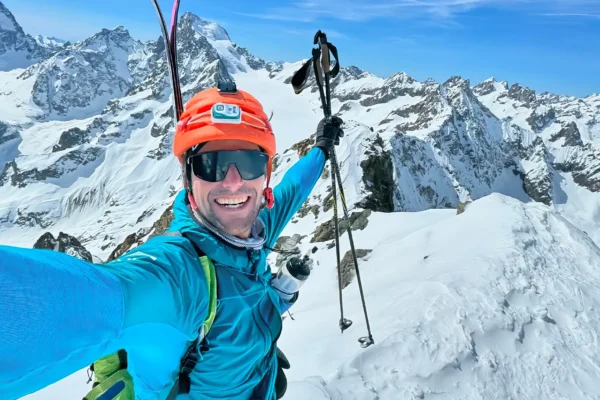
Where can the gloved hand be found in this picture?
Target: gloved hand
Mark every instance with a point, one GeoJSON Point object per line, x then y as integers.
{"type": "Point", "coordinates": [329, 134]}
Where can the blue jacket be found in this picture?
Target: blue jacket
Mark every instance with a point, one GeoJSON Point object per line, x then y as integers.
{"type": "Point", "coordinates": [58, 314]}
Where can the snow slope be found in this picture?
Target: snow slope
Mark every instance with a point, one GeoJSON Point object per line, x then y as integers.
{"type": "Point", "coordinates": [455, 313]}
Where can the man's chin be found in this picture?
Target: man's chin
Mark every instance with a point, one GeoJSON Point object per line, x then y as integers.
{"type": "Point", "coordinates": [234, 226]}
{"type": "Point", "coordinates": [236, 229]}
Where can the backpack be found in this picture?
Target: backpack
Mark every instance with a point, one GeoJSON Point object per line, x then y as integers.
{"type": "Point", "coordinates": [112, 381]}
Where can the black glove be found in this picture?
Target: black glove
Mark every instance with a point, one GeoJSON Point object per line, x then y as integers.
{"type": "Point", "coordinates": [329, 134]}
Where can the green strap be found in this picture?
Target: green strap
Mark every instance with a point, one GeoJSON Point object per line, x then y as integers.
{"type": "Point", "coordinates": [211, 280]}
{"type": "Point", "coordinates": [118, 386]}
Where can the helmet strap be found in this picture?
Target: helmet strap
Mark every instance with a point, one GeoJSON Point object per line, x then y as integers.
{"type": "Point", "coordinates": [269, 199]}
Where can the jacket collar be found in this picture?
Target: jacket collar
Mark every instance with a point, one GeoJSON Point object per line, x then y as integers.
{"type": "Point", "coordinates": [218, 246]}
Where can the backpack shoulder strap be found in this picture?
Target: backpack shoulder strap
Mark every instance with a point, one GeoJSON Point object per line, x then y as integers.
{"type": "Point", "coordinates": [211, 278]}
{"type": "Point", "coordinates": [191, 356]}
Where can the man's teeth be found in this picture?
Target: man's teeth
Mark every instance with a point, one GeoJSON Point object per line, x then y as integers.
{"type": "Point", "coordinates": [233, 201]}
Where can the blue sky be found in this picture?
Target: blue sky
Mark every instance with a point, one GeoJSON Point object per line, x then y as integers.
{"type": "Point", "coordinates": [548, 45]}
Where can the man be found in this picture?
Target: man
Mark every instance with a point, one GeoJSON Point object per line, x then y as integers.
{"type": "Point", "coordinates": [59, 314]}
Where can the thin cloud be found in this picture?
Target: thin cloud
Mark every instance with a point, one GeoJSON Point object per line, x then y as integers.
{"type": "Point", "coordinates": [76, 26]}
{"type": "Point", "coordinates": [401, 40]}
{"type": "Point", "coordinates": [276, 17]}
{"type": "Point", "coordinates": [571, 15]}
{"type": "Point", "coordinates": [331, 33]}
{"type": "Point", "coordinates": [434, 10]}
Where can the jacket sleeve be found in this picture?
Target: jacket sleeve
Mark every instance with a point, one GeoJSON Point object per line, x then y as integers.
{"type": "Point", "coordinates": [59, 314]}
{"type": "Point", "coordinates": [293, 191]}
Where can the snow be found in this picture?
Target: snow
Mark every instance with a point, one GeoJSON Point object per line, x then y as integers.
{"type": "Point", "coordinates": [504, 107]}
{"type": "Point", "coordinates": [580, 206]}
{"type": "Point", "coordinates": [210, 30]}
{"type": "Point", "coordinates": [455, 313]}
{"type": "Point", "coordinates": [15, 97]}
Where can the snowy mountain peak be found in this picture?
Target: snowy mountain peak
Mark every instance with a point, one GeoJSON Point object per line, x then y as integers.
{"type": "Point", "coordinates": [458, 82]}
{"type": "Point", "coordinates": [7, 20]}
{"type": "Point", "coordinates": [17, 50]}
{"type": "Point", "coordinates": [51, 43]}
{"type": "Point", "coordinates": [402, 78]}
{"type": "Point", "coordinates": [210, 30]}
{"type": "Point", "coordinates": [104, 40]}
{"type": "Point", "coordinates": [490, 85]}
{"type": "Point", "coordinates": [354, 71]}
{"type": "Point", "coordinates": [522, 94]}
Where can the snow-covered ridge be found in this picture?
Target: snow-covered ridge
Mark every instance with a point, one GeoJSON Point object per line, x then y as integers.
{"type": "Point", "coordinates": [50, 42]}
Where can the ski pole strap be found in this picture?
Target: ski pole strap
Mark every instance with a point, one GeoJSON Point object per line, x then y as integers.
{"type": "Point", "coordinates": [301, 77]}
{"type": "Point", "coordinates": [333, 73]}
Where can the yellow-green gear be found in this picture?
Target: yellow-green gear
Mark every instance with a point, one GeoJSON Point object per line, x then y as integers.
{"type": "Point", "coordinates": [112, 381]}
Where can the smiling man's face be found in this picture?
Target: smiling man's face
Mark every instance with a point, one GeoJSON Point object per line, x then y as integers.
{"type": "Point", "coordinates": [233, 204]}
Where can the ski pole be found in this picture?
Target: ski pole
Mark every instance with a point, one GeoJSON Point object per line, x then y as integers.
{"type": "Point", "coordinates": [323, 73]}
{"type": "Point", "coordinates": [322, 39]}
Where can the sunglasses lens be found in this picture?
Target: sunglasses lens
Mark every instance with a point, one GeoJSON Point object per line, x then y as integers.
{"type": "Point", "coordinates": [213, 166]}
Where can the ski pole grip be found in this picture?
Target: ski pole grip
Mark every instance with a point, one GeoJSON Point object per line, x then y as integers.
{"type": "Point", "coordinates": [325, 57]}
{"type": "Point", "coordinates": [316, 56]}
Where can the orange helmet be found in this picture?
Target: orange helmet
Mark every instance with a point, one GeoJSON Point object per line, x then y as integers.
{"type": "Point", "coordinates": [198, 123]}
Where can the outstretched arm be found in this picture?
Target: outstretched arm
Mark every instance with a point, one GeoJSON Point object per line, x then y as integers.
{"type": "Point", "coordinates": [299, 181]}
{"type": "Point", "coordinates": [292, 192]}
{"type": "Point", "coordinates": [59, 314]}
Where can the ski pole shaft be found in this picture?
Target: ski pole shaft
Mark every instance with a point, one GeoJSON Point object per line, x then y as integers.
{"type": "Point", "coordinates": [343, 323]}
{"type": "Point", "coordinates": [353, 250]}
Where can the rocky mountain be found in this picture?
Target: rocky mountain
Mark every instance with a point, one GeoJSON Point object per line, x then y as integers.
{"type": "Point", "coordinates": [17, 49]}
{"type": "Point", "coordinates": [63, 243]}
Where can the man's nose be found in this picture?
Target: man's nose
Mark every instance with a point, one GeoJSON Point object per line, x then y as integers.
{"type": "Point", "coordinates": [233, 180]}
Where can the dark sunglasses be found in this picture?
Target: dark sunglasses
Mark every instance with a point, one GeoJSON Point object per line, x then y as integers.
{"type": "Point", "coordinates": [212, 166]}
